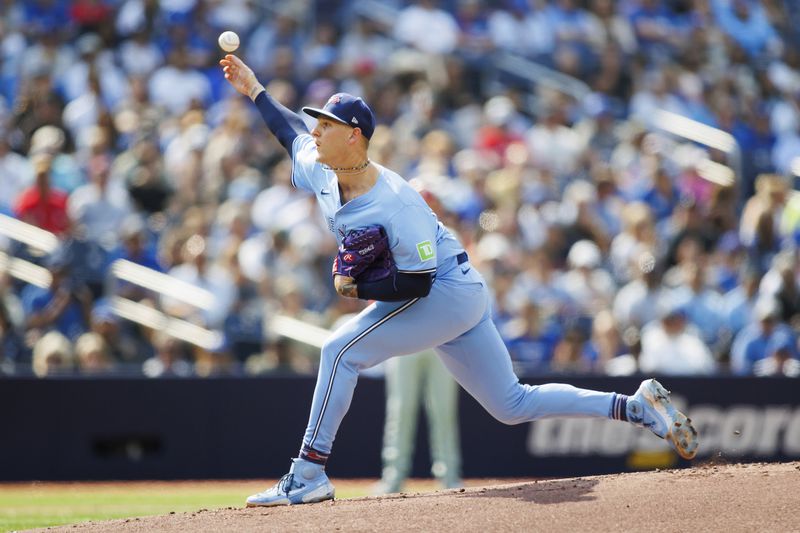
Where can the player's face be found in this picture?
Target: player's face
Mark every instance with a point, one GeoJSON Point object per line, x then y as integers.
{"type": "Point", "coordinates": [332, 139]}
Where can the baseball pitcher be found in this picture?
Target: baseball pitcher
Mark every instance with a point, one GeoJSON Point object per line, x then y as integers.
{"type": "Point", "coordinates": [427, 295]}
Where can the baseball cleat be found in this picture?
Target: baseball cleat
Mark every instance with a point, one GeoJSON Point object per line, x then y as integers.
{"type": "Point", "coordinates": [650, 407]}
{"type": "Point", "coordinates": [306, 482]}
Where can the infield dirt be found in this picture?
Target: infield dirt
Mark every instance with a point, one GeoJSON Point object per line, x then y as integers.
{"type": "Point", "coordinates": [731, 498]}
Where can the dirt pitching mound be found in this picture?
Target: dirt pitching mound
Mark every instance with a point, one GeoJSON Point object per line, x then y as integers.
{"type": "Point", "coordinates": [747, 497]}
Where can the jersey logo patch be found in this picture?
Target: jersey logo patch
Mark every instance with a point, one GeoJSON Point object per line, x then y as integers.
{"type": "Point", "coordinates": [425, 250]}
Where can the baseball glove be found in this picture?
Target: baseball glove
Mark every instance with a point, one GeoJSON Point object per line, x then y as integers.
{"type": "Point", "coordinates": [364, 255]}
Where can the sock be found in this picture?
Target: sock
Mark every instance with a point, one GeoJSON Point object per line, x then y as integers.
{"type": "Point", "coordinates": [619, 407]}
{"type": "Point", "coordinates": [307, 453]}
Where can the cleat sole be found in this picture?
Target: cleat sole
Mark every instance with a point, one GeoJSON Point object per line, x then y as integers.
{"type": "Point", "coordinates": [681, 433]}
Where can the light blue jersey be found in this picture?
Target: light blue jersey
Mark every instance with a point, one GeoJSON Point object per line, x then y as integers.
{"type": "Point", "coordinates": [419, 242]}
{"type": "Point", "coordinates": [454, 318]}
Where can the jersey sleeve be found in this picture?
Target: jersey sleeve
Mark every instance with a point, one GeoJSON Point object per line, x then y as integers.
{"type": "Point", "coordinates": [412, 239]}
{"type": "Point", "coordinates": [307, 173]}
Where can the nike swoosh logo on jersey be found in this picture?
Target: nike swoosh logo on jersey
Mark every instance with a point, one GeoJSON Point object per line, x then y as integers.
{"type": "Point", "coordinates": [464, 271]}
{"type": "Point", "coordinates": [324, 191]}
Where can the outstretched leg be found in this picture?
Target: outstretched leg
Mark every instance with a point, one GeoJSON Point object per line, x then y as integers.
{"type": "Point", "coordinates": [480, 363]}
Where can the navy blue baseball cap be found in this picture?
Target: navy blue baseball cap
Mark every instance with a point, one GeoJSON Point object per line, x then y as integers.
{"type": "Point", "coordinates": [347, 109]}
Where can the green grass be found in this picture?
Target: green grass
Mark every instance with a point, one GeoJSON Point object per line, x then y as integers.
{"type": "Point", "coordinates": [32, 505]}
{"type": "Point", "coordinates": [35, 505]}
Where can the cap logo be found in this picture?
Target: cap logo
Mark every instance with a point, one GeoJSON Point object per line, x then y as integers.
{"type": "Point", "coordinates": [335, 99]}
{"type": "Point", "coordinates": [354, 120]}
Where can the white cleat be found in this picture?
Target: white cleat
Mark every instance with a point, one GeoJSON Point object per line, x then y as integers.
{"type": "Point", "coordinates": [306, 482]}
{"type": "Point", "coordinates": [650, 407]}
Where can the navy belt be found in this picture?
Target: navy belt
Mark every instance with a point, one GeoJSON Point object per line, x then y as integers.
{"type": "Point", "coordinates": [462, 258]}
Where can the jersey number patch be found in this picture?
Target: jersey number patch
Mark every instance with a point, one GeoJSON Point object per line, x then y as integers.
{"type": "Point", "coordinates": [425, 250]}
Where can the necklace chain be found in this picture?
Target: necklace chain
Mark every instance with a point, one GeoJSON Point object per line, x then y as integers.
{"type": "Point", "coordinates": [358, 168]}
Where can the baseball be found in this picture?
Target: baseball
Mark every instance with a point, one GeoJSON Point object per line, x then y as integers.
{"type": "Point", "coordinates": [228, 41]}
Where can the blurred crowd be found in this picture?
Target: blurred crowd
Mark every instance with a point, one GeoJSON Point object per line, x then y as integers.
{"type": "Point", "coordinates": [611, 247]}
